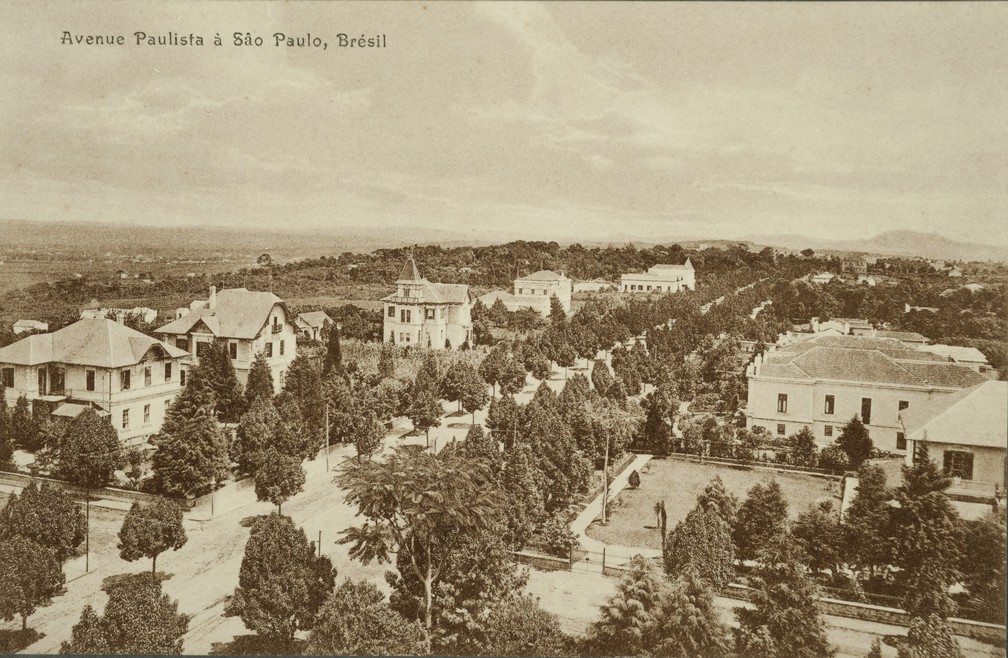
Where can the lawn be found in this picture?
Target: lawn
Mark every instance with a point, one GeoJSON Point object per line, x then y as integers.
{"type": "Point", "coordinates": [679, 482]}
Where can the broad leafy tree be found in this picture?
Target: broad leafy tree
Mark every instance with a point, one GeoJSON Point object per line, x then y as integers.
{"type": "Point", "coordinates": [416, 503]}
{"type": "Point", "coordinates": [282, 584]}
{"type": "Point", "coordinates": [803, 448]}
{"type": "Point", "coordinates": [715, 498]}
{"type": "Point", "coordinates": [46, 515]}
{"type": "Point", "coordinates": [367, 434]}
{"type": "Point", "coordinates": [279, 477]}
{"type": "Point", "coordinates": [455, 380]}
{"type": "Point", "coordinates": [30, 576]}
{"type": "Point", "coordinates": [138, 620]}
{"type": "Point", "coordinates": [424, 411]}
{"type": "Point", "coordinates": [91, 451]}
{"type": "Point", "coordinates": [22, 424]}
{"type": "Point", "coordinates": [474, 395]}
{"type": "Point", "coordinates": [148, 531]}
{"type": "Point", "coordinates": [356, 620]}
{"type": "Point", "coordinates": [983, 564]}
{"type": "Point", "coordinates": [518, 626]}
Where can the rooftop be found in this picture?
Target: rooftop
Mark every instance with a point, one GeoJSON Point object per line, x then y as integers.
{"type": "Point", "coordinates": [237, 313]}
{"type": "Point", "coordinates": [95, 342]}
{"type": "Point", "coordinates": [542, 275]}
{"type": "Point", "coordinates": [973, 416]}
{"type": "Point", "coordinates": [315, 318]}
{"type": "Point", "coordinates": [864, 359]}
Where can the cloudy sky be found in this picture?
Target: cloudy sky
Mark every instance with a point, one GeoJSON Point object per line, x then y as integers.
{"type": "Point", "coordinates": [560, 121]}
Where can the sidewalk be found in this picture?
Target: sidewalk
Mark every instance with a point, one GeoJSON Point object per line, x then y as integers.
{"type": "Point", "coordinates": [619, 554]}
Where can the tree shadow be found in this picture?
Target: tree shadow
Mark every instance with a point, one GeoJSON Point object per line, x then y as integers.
{"type": "Point", "coordinates": [12, 641]}
{"type": "Point", "coordinates": [112, 582]}
{"type": "Point", "coordinates": [250, 521]}
{"type": "Point", "coordinates": [256, 645]}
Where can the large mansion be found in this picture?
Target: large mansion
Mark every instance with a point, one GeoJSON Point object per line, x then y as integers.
{"type": "Point", "coordinates": [250, 322]}
{"type": "Point", "coordinates": [534, 291]}
{"type": "Point", "coordinates": [823, 381]}
{"type": "Point", "coordinates": [435, 315]}
{"type": "Point", "coordinates": [661, 278]}
{"type": "Point", "coordinates": [101, 364]}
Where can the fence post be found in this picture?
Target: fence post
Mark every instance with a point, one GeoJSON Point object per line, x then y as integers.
{"type": "Point", "coordinates": [570, 558]}
{"type": "Point", "coordinates": [603, 560]}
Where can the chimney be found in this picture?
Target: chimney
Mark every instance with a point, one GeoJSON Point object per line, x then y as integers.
{"type": "Point", "coordinates": [212, 300]}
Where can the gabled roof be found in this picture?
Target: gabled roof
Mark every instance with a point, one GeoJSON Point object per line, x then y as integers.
{"type": "Point", "coordinates": [973, 416]}
{"type": "Point", "coordinates": [491, 297]}
{"type": "Point", "coordinates": [314, 318]}
{"type": "Point", "coordinates": [542, 275]}
{"type": "Point", "coordinates": [906, 336]}
{"type": "Point", "coordinates": [237, 313]}
{"type": "Point", "coordinates": [97, 342]}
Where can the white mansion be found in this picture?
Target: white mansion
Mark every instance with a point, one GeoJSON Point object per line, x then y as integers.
{"type": "Point", "coordinates": [435, 315]}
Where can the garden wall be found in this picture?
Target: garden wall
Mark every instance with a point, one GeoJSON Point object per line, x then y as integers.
{"type": "Point", "coordinates": [977, 630]}
{"type": "Point", "coordinates": [21, 481]}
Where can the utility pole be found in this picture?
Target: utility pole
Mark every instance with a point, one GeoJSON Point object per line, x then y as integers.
{"type": "Point", "coordinates": [605, 482]}
{"type": "Point", "coordinates": [326, 438]}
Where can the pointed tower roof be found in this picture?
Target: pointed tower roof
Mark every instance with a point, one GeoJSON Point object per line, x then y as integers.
{"type": "Point", "coordinates": [409, 271]}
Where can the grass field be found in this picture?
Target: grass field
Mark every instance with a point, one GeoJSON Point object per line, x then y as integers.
{"type": "Point", "coordinates": [678, 483]}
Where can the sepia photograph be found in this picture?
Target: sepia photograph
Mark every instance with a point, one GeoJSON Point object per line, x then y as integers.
{"type": "Point", "coordinates": [661, 329]}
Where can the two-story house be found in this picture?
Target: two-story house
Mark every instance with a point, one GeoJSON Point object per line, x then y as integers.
{"type": "Point", "coordinates": [823, 381]}
{"type": "Point", "coordinates": [100, 363]}
{"type": "Point", "coordinates": [535, 291]}
{"type": "Point", "coordinates": [425, 314]}
{"type": "Point", "coordinates": [250, 322]}
{"type": "Point", "coordinates": [663, 277]}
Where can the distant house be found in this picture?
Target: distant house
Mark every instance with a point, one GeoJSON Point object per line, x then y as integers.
{"type": "Point", "coordinates": [966, 434]}
{"type": "Point", "coordinates": [120, 315]}
{"type": "Point", "coordinates": [313, 323]}
{"type": "Point", "coordinates": [968, 356]}
{"type": "Point", "coordinates": [534, 291]}
{"type": "Point", "coordinates": [250, 322]}
{"type": "Point", "coordinates": [663, 277]}
{"type": "Point", "coordinates": [955, 272]}
{"type": "Point", "coordinates": [24, 326]}
{"type": "Point", "coordinates": [822, 278]}
{"type": "Point", "coordinates": [938, 265]}
{"type": "Point", "coordinates": [866, 280]}
{"type": "Point", "coordinates": [425, 314]}
{"type": "Point", "coordinates": [100, 364]}
{"type": "Point", "coordinates": [974, 287]}
{"type": "Point", "coordinates": [854, 266]}
{"type": "Point", "coordinates": [930, 309]}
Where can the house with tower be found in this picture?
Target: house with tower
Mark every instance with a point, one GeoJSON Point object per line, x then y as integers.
{"type": "Point", "coordinates": [426, 314]}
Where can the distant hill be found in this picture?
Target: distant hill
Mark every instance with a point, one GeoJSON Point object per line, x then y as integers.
{"type": "Point", "coordinates": [893, 243]}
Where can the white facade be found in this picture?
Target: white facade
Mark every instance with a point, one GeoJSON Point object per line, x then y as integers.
{"type": "Point", "coordinates": [823, 381]}
{"type": "Point", "coordinates": [249, 322]}
{"type": "Point", "coordinates": [122, 373]}
{"type": "Point", "coordinates": [425, 314]}
{"type": "Point", "coordinates": [661, 278]}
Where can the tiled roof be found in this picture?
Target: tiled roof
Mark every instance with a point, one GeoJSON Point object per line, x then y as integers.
{"type": "Point", "coordinates": [238, 313]}
{"type": "Point", "coordinates": [95, 342]}
{"type": "Point", "coordinates": [909, 336]}
{"type": "Point", "coordinates": [542, 275]}
{"type": "Point", "coordinates": [974, 416]}
{"type": "Point", "coordinates": [314, 318]}
{"type": "Point", "coordinates": [863, 359]}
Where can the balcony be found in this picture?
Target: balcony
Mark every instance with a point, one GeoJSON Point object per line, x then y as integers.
{"type": "Point", "coordinates": [277, 328]}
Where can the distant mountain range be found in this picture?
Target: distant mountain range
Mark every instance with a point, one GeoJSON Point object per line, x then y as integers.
{"type": "Point", "coordinates": [892, 243]}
